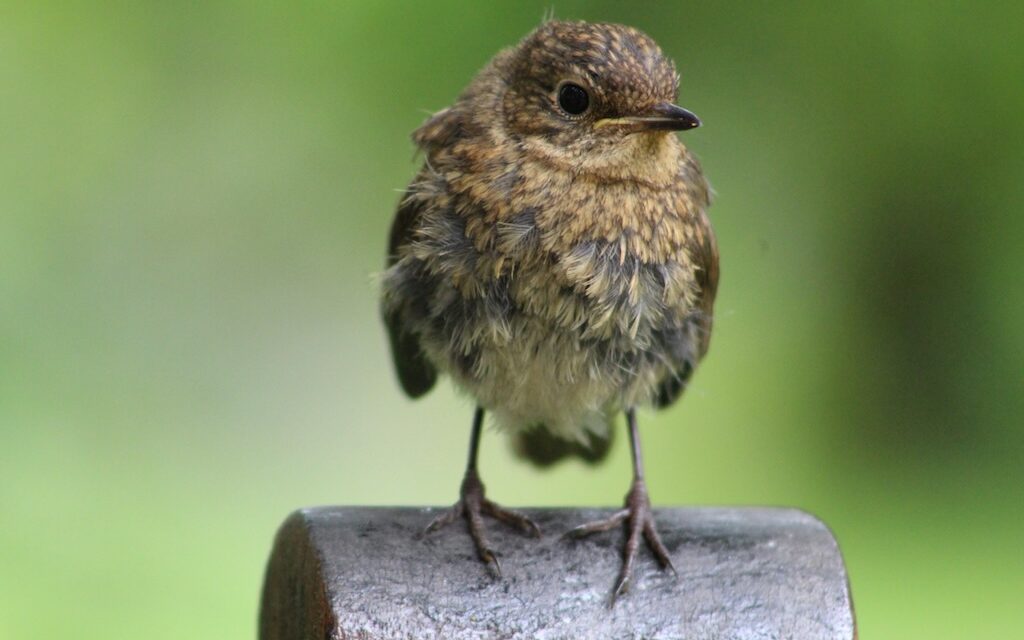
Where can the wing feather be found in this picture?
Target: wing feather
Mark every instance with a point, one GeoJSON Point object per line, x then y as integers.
{"type": "Point", "coordinates": [703, 250]}
{"type": "Point", "coordinates": [416, 374]}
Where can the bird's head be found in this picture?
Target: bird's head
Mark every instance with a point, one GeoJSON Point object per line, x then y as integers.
{"type": "Point", "coordinates": [579, 90]}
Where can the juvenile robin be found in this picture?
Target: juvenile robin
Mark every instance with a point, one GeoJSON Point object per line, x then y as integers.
{"type": "Point", "coordinates": [555, 258]}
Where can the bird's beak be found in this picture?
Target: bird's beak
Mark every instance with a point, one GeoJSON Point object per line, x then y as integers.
{"type": "Point", "coordinates": [661, 117]}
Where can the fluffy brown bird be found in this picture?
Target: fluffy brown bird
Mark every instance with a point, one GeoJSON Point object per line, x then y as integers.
{"type": "Point", "coordinates": [554, 257]}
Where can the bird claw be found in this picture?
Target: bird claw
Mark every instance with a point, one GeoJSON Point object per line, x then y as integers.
{"type": "Point", "coordinates": [640, 521]}
{"type": "Point", "coordinates": [491, 559]}
{"type": "Point", "coordinates": [449, 516]}
{"type": "Point", "coordinates": [511, 518]}
{"type": "Point", "coordinates": [621, 587]}
{"type": "Point", "coordinates": [597, 526]}
{"type": "Point", "coordinates": [472, 506]}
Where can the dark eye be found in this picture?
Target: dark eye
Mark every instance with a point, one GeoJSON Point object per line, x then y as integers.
{"type": "Point", "coordinates": [573, 99]}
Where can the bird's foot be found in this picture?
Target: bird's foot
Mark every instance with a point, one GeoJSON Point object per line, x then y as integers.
{"type": "Point", "coordinates": [472, 506]}
{"type": "Point", "coordinates": [637, 514]}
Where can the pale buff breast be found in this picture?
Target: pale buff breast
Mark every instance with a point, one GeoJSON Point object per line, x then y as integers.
{"type": "Point", "coordinates": [559, 310]}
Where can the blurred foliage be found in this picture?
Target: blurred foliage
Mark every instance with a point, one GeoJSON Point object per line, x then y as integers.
{"type": "Point", "coordinates": [193, 204]}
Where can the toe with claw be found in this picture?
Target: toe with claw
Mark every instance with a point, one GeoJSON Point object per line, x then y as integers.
{"type": "Point", "coordinates": [472, 506]}
{"type": "Point", "coordinates": [640, 525]}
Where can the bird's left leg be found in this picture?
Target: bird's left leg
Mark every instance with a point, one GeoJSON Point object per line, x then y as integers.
{"type": "Point", "coordinates": [637, 514]}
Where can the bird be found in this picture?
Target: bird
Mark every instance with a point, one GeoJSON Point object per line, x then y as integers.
{"type": "Point", "coordinates": [553, 256]}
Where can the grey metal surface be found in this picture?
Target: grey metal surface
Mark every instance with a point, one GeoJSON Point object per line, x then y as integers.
{"type": "Point", "coordinates": [744, 574]}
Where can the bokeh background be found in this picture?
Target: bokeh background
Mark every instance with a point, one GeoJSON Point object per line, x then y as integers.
{"type": "Point", "coordinates": [194, 199]}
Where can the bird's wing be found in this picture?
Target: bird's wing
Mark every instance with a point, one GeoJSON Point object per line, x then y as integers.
{"type": "Point", "coordinates": [704, 252]}
{"type": "Point", "coordinates": [415, 372]}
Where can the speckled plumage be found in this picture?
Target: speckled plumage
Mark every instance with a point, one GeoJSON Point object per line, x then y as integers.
{"type": "Point", "coordinates": [558, 269]}
{"type": "Point", "coordinates": [553, 256]}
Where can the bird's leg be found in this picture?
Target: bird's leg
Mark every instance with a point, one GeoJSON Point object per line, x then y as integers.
{"type": "Point", "coordinates": [636, 514]}
{"type": "Point", "coordinates": [473, 505]}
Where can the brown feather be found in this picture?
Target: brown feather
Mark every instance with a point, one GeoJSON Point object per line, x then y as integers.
{"type": "Point", "coordinates": [416, 374]}
{"type": "Point", "coordinates": [558, 270]}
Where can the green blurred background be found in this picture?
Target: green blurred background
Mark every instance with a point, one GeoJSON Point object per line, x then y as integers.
{"type": "Point", "coordinates": [193, 203]}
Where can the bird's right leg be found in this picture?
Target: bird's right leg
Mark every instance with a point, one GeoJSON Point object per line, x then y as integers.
{"type": "Point", "coordinates": [473, 505]}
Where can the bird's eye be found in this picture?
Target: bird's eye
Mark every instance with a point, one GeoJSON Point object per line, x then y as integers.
{"type": "Point", "coordinates": [573, 99]}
